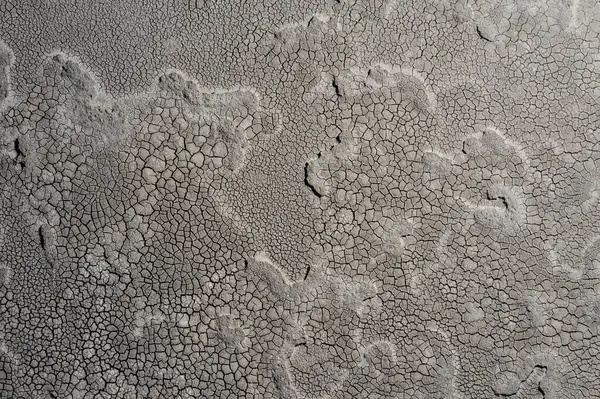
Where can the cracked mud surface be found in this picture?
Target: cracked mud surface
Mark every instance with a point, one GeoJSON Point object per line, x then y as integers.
{"type": "Point", "coordinates": [312, 199]}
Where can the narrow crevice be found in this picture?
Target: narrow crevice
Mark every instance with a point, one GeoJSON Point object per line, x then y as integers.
{"type": "Point", "coordinates": [499, 198]}
{"type": "Point", "coordinates": [541, 391]}
{"type": "Point", "coordinates": [336, 87]}
{"type": "Point", "coordinates": [44, 245]}
{"type": "Point", "coordinates": [481, 35]}
{"type": "Point", "coordinates": [20, 155]}
{"type": "Point", "coordinates": [42, 239]}
{"type": "Point", "coordinates": [463, 149]}
{"type": "Point", "coordinates": [543, 370]}
{"type": "Point", "coordinates": [306, 182]}
{"type": "Point", "coordinates": [307, 273]}
{"type": "Point", "coordinates": [18, 148]}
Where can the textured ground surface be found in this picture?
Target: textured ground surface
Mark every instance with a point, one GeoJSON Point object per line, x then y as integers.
{"type": "Point", "coordinates": [301, 199]}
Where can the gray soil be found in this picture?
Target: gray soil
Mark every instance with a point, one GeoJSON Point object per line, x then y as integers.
{"type": "Point", "coordinates": [300, 199]}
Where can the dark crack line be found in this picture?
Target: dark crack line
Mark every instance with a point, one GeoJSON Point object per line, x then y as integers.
{"type": "Point", "coordinates": [481, 36]}
{"type": "Point", "coordinates": [307, 183]}
{"type": "Point", "coordinates": [307, 272]}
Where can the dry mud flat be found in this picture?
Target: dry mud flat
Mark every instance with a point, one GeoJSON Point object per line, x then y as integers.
{"type": "Point", "coordinates": [312, 199]}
